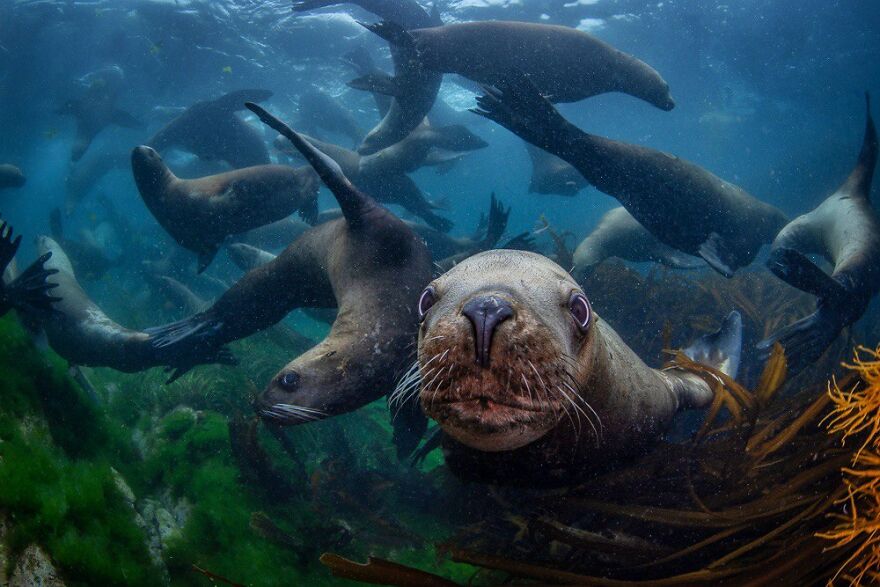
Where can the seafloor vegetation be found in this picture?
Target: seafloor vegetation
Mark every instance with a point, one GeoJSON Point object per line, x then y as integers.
{"type": "Point", "coordinates": [120, 480]}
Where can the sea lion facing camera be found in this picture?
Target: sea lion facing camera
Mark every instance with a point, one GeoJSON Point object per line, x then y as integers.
{"type": "Point", "coordinates": [201, 213]}
{"type": "Point", "coordinates": [845, 229]}
{"type": "Point", "coordinates": [680, 203]}
{"type": "Point", "coordinates": [368, 263]}
{"type": "Point", "coordinates": [530, 386]}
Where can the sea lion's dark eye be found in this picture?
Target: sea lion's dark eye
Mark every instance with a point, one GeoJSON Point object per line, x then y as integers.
{"type": "Point", "coordinates": [580, 310]}
{"type": "Point", "coordinates": [426, 300]}
{"type": "Point", "coordinates": [289, 380]}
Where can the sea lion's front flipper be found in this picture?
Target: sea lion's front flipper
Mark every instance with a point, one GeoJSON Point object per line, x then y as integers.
{"type": "Point", "coordinates": [187, 343]}
{"type": "Point", "coordinates": [31, 289]}
{"type": "Point", "coordinates": [496, 224]}
{"type": "Point", "coordinates": [715, 252]}
{"type": "Point", "coordinates": [721, 349]}
{"type": "Point", "coordinates": [352, 201]}
{"type": "Point", "coordinates": [805, 340]}
{"type": "Point", "coordinates": [235, 101]}
{"type": "Point", "coordinates": [794, 268]}
{"type": "Point", "coordinates": [126, 120]}
{"type": "Point", "coordinates": [8, 246]}
{"type": "Point", "coordinates": [378, 83]}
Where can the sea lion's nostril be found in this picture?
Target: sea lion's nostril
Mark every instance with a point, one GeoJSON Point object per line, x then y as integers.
{"type": "Point", "coordinates": [485, 314]}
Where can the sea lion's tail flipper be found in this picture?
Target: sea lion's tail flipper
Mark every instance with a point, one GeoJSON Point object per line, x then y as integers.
{"type": "Point", "coordinates": [126, 120]}
{"type": "Point", "coordinates": [495, 225]}
{"type": "Point", "coordinates": [352, 201]}
{"type": "Point", "coordinates": [859, 180]}
{"type": "Point", "coordinates": [235, 101]}
{"type": "Point", "coordinates": [378, 83]}
{"type": "Point", "coordinates": [805, 340]}
{"type": "Point", "coordinates": [721, 349]}
{"type": "Point", "coordinates": [31, 289]}
{"type": "Point", "coordinates": [716, 253]}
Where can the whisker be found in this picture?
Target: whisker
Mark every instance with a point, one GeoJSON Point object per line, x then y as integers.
{"type": "Point", "coordinates": [587, 404]}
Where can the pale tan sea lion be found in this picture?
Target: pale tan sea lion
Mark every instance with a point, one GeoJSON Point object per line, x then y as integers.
{"type": "Point", "coordinates": [201, 213]}
{"type": "Point", "coordinates": [845, 230]}
{"type": "Point", "coordinates": [530, 385]}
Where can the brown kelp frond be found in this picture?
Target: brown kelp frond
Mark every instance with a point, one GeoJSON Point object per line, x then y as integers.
{"type": "Point", "coordinates": [377, 571]}
{"type": "Point", "coordinates": [856, 415]}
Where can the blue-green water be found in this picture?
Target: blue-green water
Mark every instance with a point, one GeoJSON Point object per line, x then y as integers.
{"type": "Point", "coordinates": [769, 96]}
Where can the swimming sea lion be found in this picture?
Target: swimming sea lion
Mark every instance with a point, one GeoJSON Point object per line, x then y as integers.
{"type": "Point", "coordinates": [413, 88]}
{"type": "Point", "coordinates": [11, 176]}
{"type": "Point", "coordinates": [212, 131]}
{"type": "Point", "coordinates": [201, 213]}
{"type": "Point", "coordinates": [276, 235]}
{"type": "Point", "coordinates": [360, 60]}
{"type": "Point", "coordinates": [79, 331]}
{"type": "Point", "coordinates": [845, 229]}
{"type": "Point", "coordinates": [28, 290]}
{"type": "Point", "coordinates": [552, 175]}
{"type": "Point", "coordinates": [530, 385]}
{"type": "Point", "coordinates": [620, 235]}
{"type": "Point", "coordinates": [85, 254]}
{"type": "Point", "coordinates": [566, 64]}
{"type": "Point", "coordinates": [680, 203]}
{"type": "Point", "coordinates": [319, 111]}
{"type": "Point", "coordinates": [367, 263]}
{"type": "Point", "coordinates": [96, 108]}
{"type": "Point", "coordinates": [86, 174]}
{"type": "Point", "coordinates": [384, 179]}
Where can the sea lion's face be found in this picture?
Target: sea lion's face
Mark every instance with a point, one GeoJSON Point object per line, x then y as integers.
{"type": "Point", "coordinates": [499, 344]}
{"type": "Point", "coordinates": [147, 165]}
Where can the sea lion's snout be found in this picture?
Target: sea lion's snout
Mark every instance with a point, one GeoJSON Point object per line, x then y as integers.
{"type": "Point", "coordinates": [485, 314]}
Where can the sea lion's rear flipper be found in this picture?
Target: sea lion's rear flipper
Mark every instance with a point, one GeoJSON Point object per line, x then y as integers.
{"type": "Point", "coordinates": [351, 200]}
{"type": "Point", "coordinates": [805, 340]}
{"type": "Point", "coordinates": [715, 252]}
{"type": "Point", "coordinates": [434, 440]}
{"type": "Point", "coordinates": [235, 101]}
{"type": "Point", "coordinates": [378, 83]}
{"type": "Point", "coordinates": [206, 257]}
{"type": "Point", "coordinates": [721, 349]}
{"type": "Point", "coordinates": [794, 268]}
{"type": "Point", "coordinates": [126, 120]}
{"type": "Point", "coordinates": [8, 246]}
{"type": "Point", "coordinates": [31, 289]}
{"type": "Point", "coordinates": [495, 225]}
{"type": "Point", "coordinates": [187, 343]}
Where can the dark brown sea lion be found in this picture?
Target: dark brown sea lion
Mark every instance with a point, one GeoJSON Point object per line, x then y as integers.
{"type": "Point", "coordinates": [530, 385]}
{"type": "Point", "coordinates": [566, 64]}
{"type": "Point", "coordinates": [96, 108]}
{"type": "Point", "coordinates": [29, 290]}
{"type": "Point", "coordinates": [413, 88]}
{"type": "Point", "coordinates": [11, 176]}
{"type": "Point", "coordinates": [383, 179]}
{"type": "Point", "coordinates": [212, 131]}
{"type": "Point", "coordinates": [368, 263]}
{"type": "Point", "coordinates": [845, 230]}
{"type": "Point", "coordinates": [620, 235]}
{"type": "Point", "coordinates": [680, 203]}
{"type": "Point", "coordinates": [79, 331]}
{"type": "Point", "coordinates": [201, 213]}
{"type": "Point", "coordinates": [552, 175]}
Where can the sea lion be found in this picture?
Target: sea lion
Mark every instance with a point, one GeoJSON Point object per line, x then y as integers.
{"type": "Point", "coordinates": [552, 175]}
{"type": "Point", "coordinates": [566, 64]}
{"type": "Point", "coordinates": [275, 235]}
{"type": "Point", "coordinates": [29, 290]}
{"type": "Point", "coordinates": [845, 230]}
{"type": "Point", "coordinates": [11, 176]}
{"type": "Point", "coordinates": [85, 254]}
{"type": "Point", "coordinates": [413, 88]}
{"type": "Point", "coordinates": [87, 172]}
{"type": "Point", "coordinates": [319, 111]}
{"type": "Point", "coordinates": [681, 204]}
{"type": "Point", "coordinates": [383, 179]}
{"type": "Point", "coordinates": [96, 108]}
{"type": "Point", "coordinates": [368, 263]}
{"type": "Point", "coordinates": [79, 331]}
{"type": "Point", "coordinates": [360, 60]}
{"type": "Point", "coordinates": [201, 213]}
{"type": "Point", "coordinates": [530, 385]}
{"type": "Point", "coordinates": [620, 235]}
{"type": "Point", "coordinates": [212, 131]}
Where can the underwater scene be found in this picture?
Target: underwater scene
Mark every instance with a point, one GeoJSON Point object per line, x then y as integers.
{"type": "Point", "coordinates": [450, 293]}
